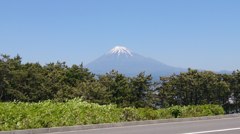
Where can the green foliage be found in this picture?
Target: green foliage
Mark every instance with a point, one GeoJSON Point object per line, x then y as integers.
{"type": "Point", "coordinates": [119, 88]}
{"type": "Point", "coordinates": [193, 88]}
{"type": "Point", "coordinates": [129, 114]}
{"type": "Point", "coordinates": [176, 111]}
{"type": "Point", "coordinates": [19, 115]}
{"type": "Point", "coordinates": [32, 82]}
{"type": "Point", "coordinates": [141, 90]}
{"type": "Point", "coordinates": [201, 110]}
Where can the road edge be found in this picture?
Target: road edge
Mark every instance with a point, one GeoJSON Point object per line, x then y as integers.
{"type": "Point", "coordinates": [110, 125]}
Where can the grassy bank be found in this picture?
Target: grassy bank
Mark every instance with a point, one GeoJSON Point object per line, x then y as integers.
{"type": "Point", "coordinates": [18, 115]}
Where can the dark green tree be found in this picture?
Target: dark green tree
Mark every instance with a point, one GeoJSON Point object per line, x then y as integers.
{"type": "Point", "coordinates": [193, 88]}
{"type": "Point", "coordinates": [118, 86]}
{"type": "Point", "coordinates": [141, 93]}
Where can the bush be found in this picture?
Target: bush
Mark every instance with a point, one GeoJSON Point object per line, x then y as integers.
{"type": "Point", "coordinates": [19, 115]}
{"type": "Point", "coordinates": [201, 110]}
{"type": "Point", "coordinates": [176, 111]}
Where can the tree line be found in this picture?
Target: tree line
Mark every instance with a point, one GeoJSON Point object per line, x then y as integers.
{"type": "Point", "coordinates": [33, 82]}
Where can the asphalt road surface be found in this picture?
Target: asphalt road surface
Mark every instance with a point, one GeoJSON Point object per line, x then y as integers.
{"type": "Point", "coordinates": [217, 126]}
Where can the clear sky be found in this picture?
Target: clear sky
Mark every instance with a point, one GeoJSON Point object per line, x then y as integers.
{"type": "Point", "coordinates": [203, 34]}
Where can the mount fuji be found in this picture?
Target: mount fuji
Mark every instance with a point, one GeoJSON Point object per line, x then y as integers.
{"type": "Point", "coordinates": [129, 63]}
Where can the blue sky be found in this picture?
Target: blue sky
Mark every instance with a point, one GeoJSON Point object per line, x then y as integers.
{"type": "Point", "coordinates": [203, 34]}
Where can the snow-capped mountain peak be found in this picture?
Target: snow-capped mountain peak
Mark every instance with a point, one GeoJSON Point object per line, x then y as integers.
{"type": "Point", "coordinates": [131, 64]}
{"type": "Point", "coordinates": [121, 50]}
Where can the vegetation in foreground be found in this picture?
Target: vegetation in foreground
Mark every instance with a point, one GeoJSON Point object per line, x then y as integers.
{"type": "Point", "coordinates": [33, 82]}
{"type": "Point", "coordinates": [20, 115]}
{"type": "Point", "coordinates": [25, 89]}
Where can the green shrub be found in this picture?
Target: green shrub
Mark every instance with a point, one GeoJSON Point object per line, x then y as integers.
{"type": "Point", "coordinates": [176, 111]}
{"type": "Point", "coordinates": [129, 114]}
{"type": "Point", "coordinates": [201, 110]}
{"type": "Point", "coordinates": [148, 114]}
{"type": "Point", "coordinates": [18, 115]}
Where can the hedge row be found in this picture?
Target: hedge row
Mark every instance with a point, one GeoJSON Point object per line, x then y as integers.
{"type": "Point", "coordinates": [19, 115]}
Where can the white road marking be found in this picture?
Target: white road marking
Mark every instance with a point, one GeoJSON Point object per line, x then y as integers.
{"type": "Point", "coordinates": [213, 131]}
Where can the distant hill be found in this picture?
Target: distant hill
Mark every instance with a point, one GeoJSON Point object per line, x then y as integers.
{"type": "Point", "coordinates": [129, 63]}
{"type": "Point", "coordinates": [224, 72]}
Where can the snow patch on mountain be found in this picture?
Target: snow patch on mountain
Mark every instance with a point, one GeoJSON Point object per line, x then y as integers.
{"type": "Point", "coordinates": [119, 50]}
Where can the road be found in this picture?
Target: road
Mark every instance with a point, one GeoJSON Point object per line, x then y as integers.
{"type": "Point", "coordinates": [217, 126]}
